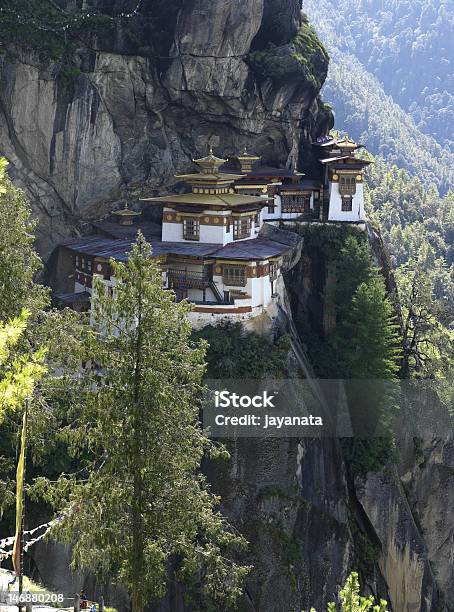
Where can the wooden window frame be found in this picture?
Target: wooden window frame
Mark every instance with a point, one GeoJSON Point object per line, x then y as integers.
{"type": "Point", "coordinates": [234, 276]}
{"type": "Point", "coordinates": [347, 203]}
{"type": "Point", "coordinates": [297, 204]}
{"type": "Point", "coordinates": [242, 227]}
{"type": "Point", "coordinates": [194, 233]}
{"type": "Point", "coordinates": [347, 185]}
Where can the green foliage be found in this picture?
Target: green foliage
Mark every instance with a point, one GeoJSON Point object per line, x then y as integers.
{"type": "Point", "coordinates": [309, 52]}
{"type": "Point", "coordinates": [232, 352]}
{"type": "Point", "coordinates": [367, 455]}
{"type": "Point", "coordinates": [305, 56]}
{"type": "Point", "coordinates": [363, 349]}
{"type": "Point", "coordinates": [365, 342]}
{"type": "Point", "coordinates": [369, 341]}
{"type": "Point", "coordinates": [19, 262]}
{"type": "Point", "coordinates": [352, 601]}
{"type": "Point", "coordinates": [26, 327]}
{"type": "Point", "coordinates": [362, 104]}
{"type": "Point", "coordinates": [19, 375]}
{"type": "Point", "coordinates": [138, 505]}
{"type": "Point", "coordinates": [290, 552]}
{"type": "Point", "coordinates": [408, 46]}
{"type": "Point", "coordinates": [417, 228]}
{"type": "Point", "coordinates": [47, 28]}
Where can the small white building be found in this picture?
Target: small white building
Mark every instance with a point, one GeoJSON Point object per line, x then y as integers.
{"type": "Point", "coordinates": [335, 194]}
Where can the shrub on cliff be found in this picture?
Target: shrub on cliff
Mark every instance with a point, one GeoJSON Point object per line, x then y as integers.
{"type": "Point", "coordinates": [352, 601]}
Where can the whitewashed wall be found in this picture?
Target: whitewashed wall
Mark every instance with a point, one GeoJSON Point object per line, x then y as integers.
{"type": "Point", "coordinates": [335, 205]}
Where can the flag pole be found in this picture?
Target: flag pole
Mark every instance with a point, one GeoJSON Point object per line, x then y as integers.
{"type": "Point", "coordinates": [18, 549]}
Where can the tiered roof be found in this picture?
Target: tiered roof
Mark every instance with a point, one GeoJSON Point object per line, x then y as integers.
{"type": "Point", "coordinates": [210, 188]}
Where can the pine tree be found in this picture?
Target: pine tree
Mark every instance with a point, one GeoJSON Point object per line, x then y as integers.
{"type": "Point", "coordinates": [142, 507]}
{"type": "Point", "coordinates": [371, 334]}
{"type": "Point", "coordinates": [19, 262]}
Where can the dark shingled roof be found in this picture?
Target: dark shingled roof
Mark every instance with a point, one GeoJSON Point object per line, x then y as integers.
{"type": "Point", "coordinates": [82, 297]}
{"type": "Point", "coordinates": [271, 171]}
{"type": "Point", "coordinates": [115, 230]}
{"type": "Point", "coordinates": [302, 185]}
{"type": "Point", "coordinates": [254, 248]}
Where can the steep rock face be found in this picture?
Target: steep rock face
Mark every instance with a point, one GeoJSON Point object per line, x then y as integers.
{"type": "Point", "coordinates": [427, 471]}
{"type": "Point", "coordinates": [403, 560]}
{"type": "Point", "coordinates": [143, 98]}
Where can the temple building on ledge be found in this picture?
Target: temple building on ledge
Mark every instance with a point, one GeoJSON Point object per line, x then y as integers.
{"type": "Point", "coordinates": [216, 246]}
{"type": "Point", "coordinates": [335, 194]}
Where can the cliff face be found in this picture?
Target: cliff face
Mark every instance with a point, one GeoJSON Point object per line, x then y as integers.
{"type": "Point", "coordinates": [142, 98]}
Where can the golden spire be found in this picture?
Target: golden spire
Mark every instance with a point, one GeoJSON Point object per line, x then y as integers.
{"type": "Point", "coordinates": [126, 216]}
{"type": "Point", "coordinates": [210, 164]}
{"type": "Point", "coordinates": [247, 161]}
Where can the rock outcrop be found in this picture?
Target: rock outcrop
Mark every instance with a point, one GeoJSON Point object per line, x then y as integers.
{"type": "Point", "coordinates": [141, 99]}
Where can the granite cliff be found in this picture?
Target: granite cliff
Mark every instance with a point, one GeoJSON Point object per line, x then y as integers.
{"type": "Point", "coordinates": [126, 108]}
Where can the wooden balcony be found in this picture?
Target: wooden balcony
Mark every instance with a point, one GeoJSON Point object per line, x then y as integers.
{"type": "Point", "coordinates": [180, 278]}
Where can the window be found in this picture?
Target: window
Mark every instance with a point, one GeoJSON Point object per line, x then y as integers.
{"type": "Point", "coordinates": [191, 229]}
{"type": "Point", "coordinates": [235, 276]}
{"type": "Point", "coordinates": [257, 219]}
{"type": "Point", "coordinates": [242, 228]}
{"type": "Point", "coordinates": [271, 208]}
{"type": "Point", "coordinates": [296, 203]}
{"type": "Point", "coordinates": [274, 270]}
{"type": "Point", "coordinates": [347, 185]}
{"type": "Point", "coordinates": [347, 204]}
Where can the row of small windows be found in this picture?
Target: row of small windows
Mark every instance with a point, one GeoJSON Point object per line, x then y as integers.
{"type": "Point", "coordinates": [191, 229]}
{"type": "Point", "coordinates": [241, 227]}
{"type": "Point", "coordinates": [347, 185]}
{"type": "Point", "coordinates": [234, 276]}
{"type": "Point", "coordinates": [83, 264]}
{"type": "Point", "coordinates": [210, 191]}
{"type": "Point", "coordinates": [296, 204]}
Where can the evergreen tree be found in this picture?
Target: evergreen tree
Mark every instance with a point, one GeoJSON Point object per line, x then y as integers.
{"type": "Point", "coordinates": [19, 262]}
{"type": "Point", "coordinates": [371, 340]}
{"type": "Point", "coordinates": [26, 327]}
{"type": "Point", "coordinates": [141, 507]}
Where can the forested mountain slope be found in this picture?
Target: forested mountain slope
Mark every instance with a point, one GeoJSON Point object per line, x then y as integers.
{"type": "Point", "coordinates": [364, 108]}
{"type": "Point", "coordinates": [409, 46]}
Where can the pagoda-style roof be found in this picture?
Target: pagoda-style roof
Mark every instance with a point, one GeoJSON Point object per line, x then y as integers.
{"type": "Point", "coordinates": [347, 160]}
{"type": "Point", "coordinates": [347, 143]}
{"type": "Point", "coordinates": [126, 216]}
{"type": "Point", "coordinates": [210, 164]}
{"type": "Point", "coordinates": [209, 177]}
{"type": "Point", "coordinates": [271, 172]}
{"type": "Point", "coordinates": [248, 156]}
{"type": "Point", "coordinates": [225, 201]}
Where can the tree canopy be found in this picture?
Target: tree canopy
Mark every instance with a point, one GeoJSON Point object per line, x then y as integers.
{"type": "Point", "coordinates": [140, 510]}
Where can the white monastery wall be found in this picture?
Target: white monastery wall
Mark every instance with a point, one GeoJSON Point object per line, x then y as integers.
{"type": "Point", "coordinates": [335, 205]}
